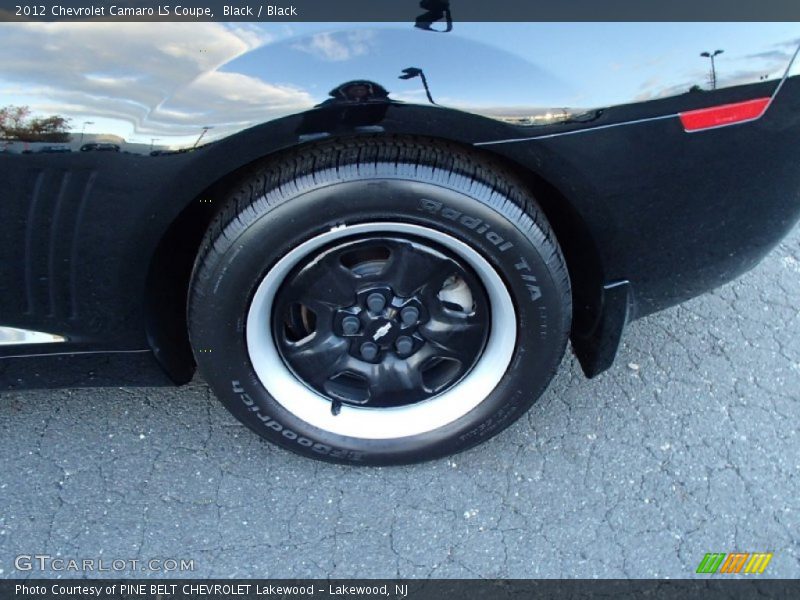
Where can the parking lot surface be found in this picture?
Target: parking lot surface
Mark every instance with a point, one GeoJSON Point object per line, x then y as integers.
{"type": "Point", "coordinates": [688, 445]}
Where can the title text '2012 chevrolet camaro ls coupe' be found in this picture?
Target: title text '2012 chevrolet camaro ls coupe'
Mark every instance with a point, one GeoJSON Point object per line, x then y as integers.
{"type": "Point", "coordinates": [375, 240]}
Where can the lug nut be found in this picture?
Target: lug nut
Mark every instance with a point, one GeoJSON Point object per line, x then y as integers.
{"type": "Point", "coordinates": [369, 350]}
{"type": "Point", "coordinates": [351, 325]}
{"type": "Point", "coordinates": [409, 315]}
{"type": "Point", "coordinates": [404, 344]}
{"type": "Point", "coordinates": [376, 302]}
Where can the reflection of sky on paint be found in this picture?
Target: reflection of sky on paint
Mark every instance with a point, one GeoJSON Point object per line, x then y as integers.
{"type": "Point", "coordinates": [604, 63]}
{"type": "Point", "coordinates": [464, 69]}
{"type": "Point", "coordinates": [645, 60]}
{"type": "Point", "coordinates": [167, 80]}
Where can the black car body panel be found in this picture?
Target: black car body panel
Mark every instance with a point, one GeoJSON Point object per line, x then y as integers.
{"type": "Point", "coordinates": [97, 247]}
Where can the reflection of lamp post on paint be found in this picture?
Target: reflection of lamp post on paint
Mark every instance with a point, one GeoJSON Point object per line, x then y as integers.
{"type": "Point", "coordinates": [412, 72]}
{"type": "Point", "coordinates": [711, 55]}
{"type": "Point", "coordinates": [202, 133]}
{"type": "Point", "coordinates": [83, 129]}
{"type": "Point", "coordinates": [152, 141]}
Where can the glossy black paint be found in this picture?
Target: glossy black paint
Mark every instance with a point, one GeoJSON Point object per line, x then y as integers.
{"type": "Point", "coordinates": [99, 246]}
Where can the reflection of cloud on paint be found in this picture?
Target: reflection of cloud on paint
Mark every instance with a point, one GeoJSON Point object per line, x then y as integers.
{"type": "Point", "coordinates": [771, 55]}
{"type": "Point", "coordinates": [773, 62]}
{"type": "Point", "coordinates": [252, 34]}
{"type": "Point", "coordinates": [663, 91]}
{"type": "Point", "coordinates": [243, 89]}
{"type": "Point", "coordinates": [338, 46]}
{"type": "Point", "coordinates": [745, 76]}
{"type": "Point", "coordinates": [742, 77]}
{"type": "Point", "coordinates": [185, 116]}
{"type": "Point", "coordinates": [215, 92]}
{"type": "Point", "coordinates": [415, 96]}
{"type": "Point", "coordinates": [731, 71]}
{"type": "Point", "coordinates": [791, 44]}
{"type": "Point", "coordinates": [111, 80]}
{"type": "Point", "coordinates": [98, 75]}
{"type": "Point", "coordinates": [780, 52]}
{"type": "Point", "coordinates": [651, 63]}
{"type": "Point", "coordinates": [652, 82]}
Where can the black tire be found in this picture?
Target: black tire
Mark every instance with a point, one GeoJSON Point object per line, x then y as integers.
{"type": "Point", "coordinates": [430, 185]}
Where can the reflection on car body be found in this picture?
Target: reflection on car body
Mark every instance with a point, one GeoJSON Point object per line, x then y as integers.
{"type": "Point", "coordinates": [603, 171]}
{"type": "Point", "coordinates": [100, 147]}
{"type": "Point", "coordinates": [53, 149]}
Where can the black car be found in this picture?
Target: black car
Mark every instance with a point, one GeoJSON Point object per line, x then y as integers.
{"type": "Point", "coordinates": [54, 149]}
{"type": "Point", "coordinates": [375, 241]}
{"type": "Point", "coordinates": [100, 147]}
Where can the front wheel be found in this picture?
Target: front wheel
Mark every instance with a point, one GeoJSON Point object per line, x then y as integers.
{"type": "Point", "coordinates": [379, 301]}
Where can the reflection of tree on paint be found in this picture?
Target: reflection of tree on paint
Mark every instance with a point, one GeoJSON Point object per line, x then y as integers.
{"type": "Point", "coordinates": [16, 124]}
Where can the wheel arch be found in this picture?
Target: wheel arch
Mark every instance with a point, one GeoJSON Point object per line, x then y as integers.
{"type": "Point", "coordinates": [221, 169]}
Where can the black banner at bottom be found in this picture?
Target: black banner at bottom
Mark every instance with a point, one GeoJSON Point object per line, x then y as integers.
{"type": "Point", "coordinates": [400, 589]}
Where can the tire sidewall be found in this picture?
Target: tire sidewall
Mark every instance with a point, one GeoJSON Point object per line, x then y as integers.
{"type": "Point", "coordinates": [485, 220]}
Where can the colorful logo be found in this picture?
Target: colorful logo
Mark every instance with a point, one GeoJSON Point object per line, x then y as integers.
{"type": "Point", "coordinates": [737, 562]}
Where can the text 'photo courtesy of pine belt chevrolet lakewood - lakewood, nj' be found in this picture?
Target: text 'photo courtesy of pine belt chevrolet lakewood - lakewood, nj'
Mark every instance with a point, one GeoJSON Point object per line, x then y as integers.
{"type": "Point", "coordinates": [375, 241]}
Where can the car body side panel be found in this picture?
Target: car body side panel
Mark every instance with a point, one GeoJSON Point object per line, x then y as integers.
{"type": "Point", "coordinates": [151, 86]}
{"type": "Point", "coordinates": [588, 110]}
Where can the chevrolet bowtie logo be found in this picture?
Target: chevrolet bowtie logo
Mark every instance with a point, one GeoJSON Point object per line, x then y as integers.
{"type": "Point", "coordinates": [381, 331]}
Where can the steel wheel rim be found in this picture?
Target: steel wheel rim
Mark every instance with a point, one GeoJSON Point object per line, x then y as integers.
{"type": "Point", "coordinates": [381, 423]}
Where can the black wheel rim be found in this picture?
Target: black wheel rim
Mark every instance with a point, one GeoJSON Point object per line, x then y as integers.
{"type": "Point", "coordinates": [380, 321]}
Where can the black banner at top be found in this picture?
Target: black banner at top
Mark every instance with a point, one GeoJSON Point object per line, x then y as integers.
{"type": "Point", "coordinates": [432, 14]}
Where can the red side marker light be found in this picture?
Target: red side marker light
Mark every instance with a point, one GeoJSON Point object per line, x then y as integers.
{"type": "Point", "coordinates": [726, 114]}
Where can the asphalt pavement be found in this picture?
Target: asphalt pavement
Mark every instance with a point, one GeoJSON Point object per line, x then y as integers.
{"type": "Point", "coordinates": [688, 445]}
